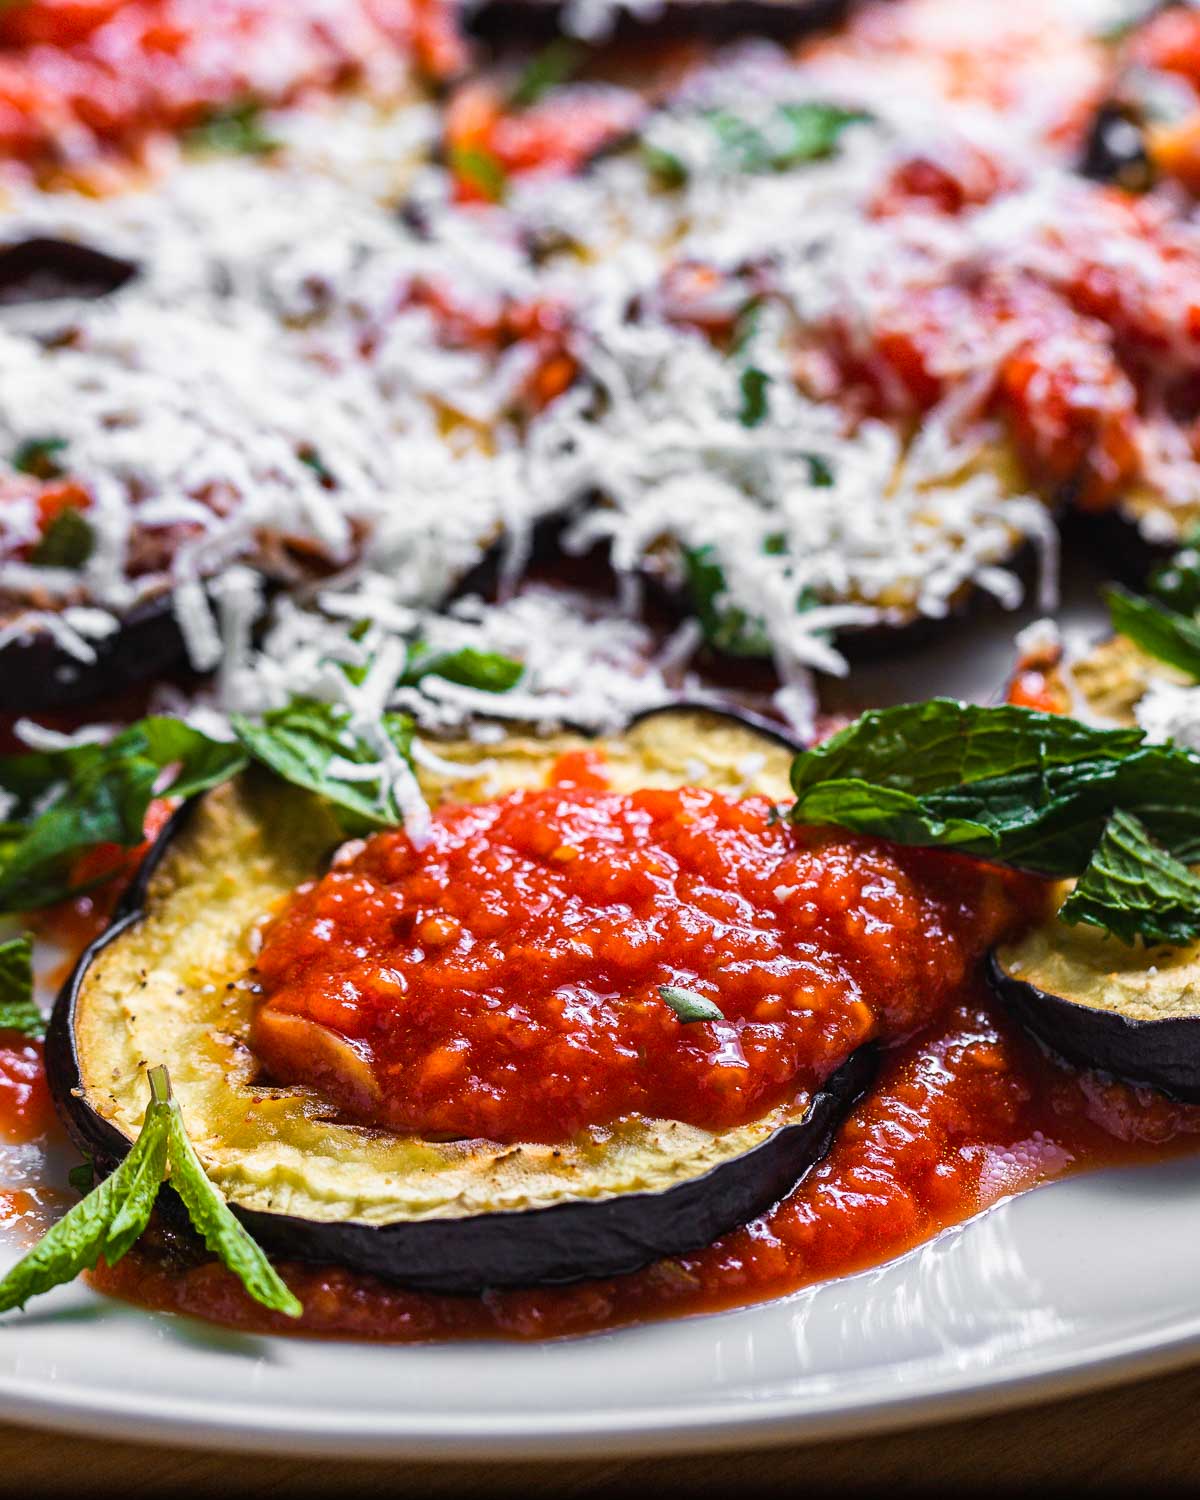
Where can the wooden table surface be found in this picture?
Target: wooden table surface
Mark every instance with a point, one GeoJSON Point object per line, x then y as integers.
{"type": "Point", "coordinates": [1146, 1434]}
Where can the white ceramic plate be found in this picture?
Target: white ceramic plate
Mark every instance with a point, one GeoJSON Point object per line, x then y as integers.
{"type": "Point", "coordinates": [1078, 1283]}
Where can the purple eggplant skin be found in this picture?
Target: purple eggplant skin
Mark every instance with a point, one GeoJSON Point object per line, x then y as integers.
{"type": "Point", "coordinates": [37, 675]}
{"type": "Point", "coordinates": [1164, 1054]}
{"type": "Point", "coordinates": [567, 1242]}
{"type": "Point", "coordinates": [44, 269]}
{"type": "Point", "coordinates": [501, 22]}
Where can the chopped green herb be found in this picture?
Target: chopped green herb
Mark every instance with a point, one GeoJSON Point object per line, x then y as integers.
{"type": "Point", "coordinates": [236, 129]}
{"type": "Point", "coordinates": [663, 165]}
{"type": "Point", "coordinates": [311, 458]}
{"type": "Point", "coordinates": [486, 670]}
{"type": "Point", "coordinates": [552, 65]}
{"type": "Point", "coordinates": [114, 1214]}
{"type": "Point", "coordinates": [82, 1178]}
{"type": "Point", "coordinates": [308, 741]}
{"type": "Point", "coordinates": [40, 457]}
{"type": "Point", "coordinates": [1162, 633]}
{"type": "Point", "coordinates": [753, 384]}
{"type": "Point", "coordinates": [1036, 791]}
{"type": "Point", "coordinates": [481, 169]}
{"type": "Point", "coordinates": [67, 542]}
{"type": "Point", "coordinates": [68, 801]}
{"type": "Point", "coordinates": [688, 1005]}
{"type": "Point", "coordinates": [18, 1011]}
{"type": "Point", "coordinates": [1177, 583]}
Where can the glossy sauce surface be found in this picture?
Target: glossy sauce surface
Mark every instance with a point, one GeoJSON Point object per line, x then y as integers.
{"type": "Point", "coordinates": [505, 980]}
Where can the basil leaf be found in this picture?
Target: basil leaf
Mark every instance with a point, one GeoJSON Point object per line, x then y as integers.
{"type": "Point", "coordinates": [68, 801]}
{"type": "Point", "coordinates": [753, 385]}
{"type": "Point", "coordinates": [688, 1005]}
{"type": "Point", "coordinates": [1133, 888]}
{"type": "Point", "coordinates": [67, 542]}
{"type": "Point", "coordinates": [221, 1232]}
{"type": "Point", "coordinates": [18, 1012]}
{"type": "Point", "coordinates": [81, 1236]}
{"type": "Point", "coordinates": [552, 65]}
{"type": "Point", "coordinates": [1162, 633]}
{"type": "Point", "coordinates": [236, 129]}
{"type": "Point", "coordinates": [304, 742]}
{"type": "Point", "coordinates": [40, 457]}
{"type": "Point", "coordinates": [486, 670]}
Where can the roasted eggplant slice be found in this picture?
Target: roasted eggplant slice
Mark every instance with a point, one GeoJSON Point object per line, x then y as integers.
{"type": "Point", "coordinates": [1133, 1011]}
{"type": "Point", "coordinates": [172, 982]}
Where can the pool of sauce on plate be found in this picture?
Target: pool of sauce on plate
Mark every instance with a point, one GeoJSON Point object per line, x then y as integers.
{"type": "Point", "coordinates": [966, 1109]}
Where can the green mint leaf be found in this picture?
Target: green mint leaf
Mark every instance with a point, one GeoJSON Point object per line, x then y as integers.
{"type": "Point", "coordinates": [221, 1232]}
{"type": "Point", "coordinates": [552, 65]}
{"type": "Point", "coordinates": [1035, 791]}
{"type": "Point", "coordinates": [306, 742]}
{"type": "Point", "coordinates": [89, 1229]}
{"type": "Point", "coordinates": [1133, 888]}
{"type": "Point", "coordinates": [18, 1012]}
{"type": "Point", "coordinates": [486, 670]}
{"type": "Point", "coordinates": [753, 385]}
{"type": "Point", "coordinates": [68, 801]}
{"type": "Point", "coordinates": [67, 542]}
{"type": "Point", "coordinates": [41, 457]}
{"type": "Point", "coordinates": [688, 1005]}
{"type": "Point", "coordinates": [481, 169]}
{"type": "Point", "coordinates": [1160, 632]}
{"type": "Point", "coordinates": [236, 129]}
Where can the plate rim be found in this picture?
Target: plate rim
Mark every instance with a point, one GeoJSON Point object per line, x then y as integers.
{"type": "Point", "coordinates": [712, 1426]}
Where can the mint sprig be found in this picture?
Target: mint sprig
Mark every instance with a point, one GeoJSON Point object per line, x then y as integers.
{"type": "Point", "coordinates": [1039, 792]}
{"type": "Point", "coordinates": [113, 1216]}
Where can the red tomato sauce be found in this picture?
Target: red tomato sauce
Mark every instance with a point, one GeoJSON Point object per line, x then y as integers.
{"type": "Point", "coordinates": [504, 980]}
{"type": "Point", "coordinates": [82, 76]}
{"type": "Point", "coordinates": [25, 1108]}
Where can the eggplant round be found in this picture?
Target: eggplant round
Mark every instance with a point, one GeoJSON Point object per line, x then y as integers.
{"type": "Point", "coordinates": [1129, 1010]}
{"type": "Point", "coordinates": [173, 981]}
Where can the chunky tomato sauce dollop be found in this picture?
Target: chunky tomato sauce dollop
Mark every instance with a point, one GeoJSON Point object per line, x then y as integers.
{"type": "Point", "coordinates": [505, 979]}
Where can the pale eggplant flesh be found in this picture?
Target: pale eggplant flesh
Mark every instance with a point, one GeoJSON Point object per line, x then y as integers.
{"type": "Point", "coordinates": [1132, 1011]}
{"type": "Point", "coordinates": [172, 981]}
